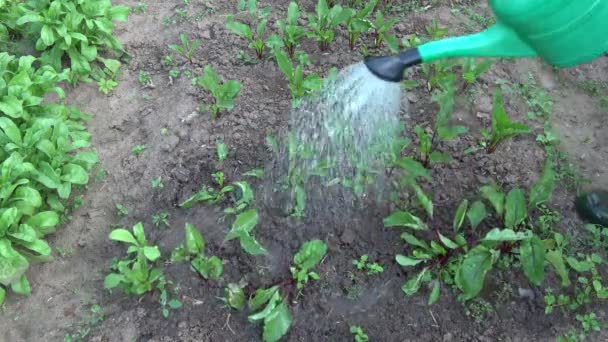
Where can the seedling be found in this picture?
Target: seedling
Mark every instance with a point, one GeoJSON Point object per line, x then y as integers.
{"type": "Point", "coordinates": [222, 151]}
{"type": "Point", "coordinates": [157, 183]}
{"type": "Point", "coordinates": [472, 70]}
{"type": "Point", "coordinates": [358, 23]}
{"type": "Point", "coordinates": [140, 7]}
{"type": "Point", "coordinates": [371, 267]}
{"type": "Point", "coordinates": [242, 228]}
{"type": "Point", "coordinates": [106, 85]}
{"type": "Point", "coordinates": [187, 49]}
{"type": "Point", "coordinates": [193, 250]}
{"type": "Point", "coordinates": [443, 130]}
{"type": "Point", "coordinates": [138, 150]}
{"type": "Point", "coordinates": [144, 78]}
{"type": "Point", "coordinates": [358, 334]}
{"type": "Point", "coordinates": [502, 127]}
{"type": "Point", "coordinates": [255, 37]}
{"type": "Point", "coordinates": [327, 19]}
{"type": "Point", "coordinates": [122, 210]}
{"type": "Point", "coordinates": [161, 218]}
{"type": "Point", "coordinates": [309, 255]}
{"type": "Point", "coordinates": [380, 27]}
{"type": "Point", "coordinates": [174, 73]}
{"type": "Point", "coordinates": [291, 31]}
{"type": "Point", "coordinates": [168, 60]}
{"type": "Point", "coordinates": [234, 296]}
{"type": "Point", "coordinates": [270, 307]}
{"type": "Point", "coordinates": [223, 93]}
{"type": "Point", "coordinates": [168, 304]}
{"type": "Point", "coordinates": [134, 275]}
{"type": "Point", "coordinates": [299, 85]}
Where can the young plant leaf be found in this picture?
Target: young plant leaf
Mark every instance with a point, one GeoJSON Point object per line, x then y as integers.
{"type": "Point", "coordinates": [472, 272]}
{"type": "Point", "coordinates": [123, 235]}
{"type": "Point", "coordinates": [414, 241]}
{"type": "Point", "coordinates": [495, 197]}
{"type": "Point", "coordinates": [277, 323]}
{"type": "Point", "coordinates": [434, 296]}
{"type": "Point", "coordinates": [498, 234]}
{"type": "Point", "coordinates": [542, 190]}
{"type": "Point", "coordinates": [515, 208]}
{"type": "Point", "coordinates": [556, 259]}
{"type": "Point", "coordinates": [244, 222]}
{"type": "Point", "coordinates": [251, 245]}
{"type": "Point", "coordinates": [222, 151]}
{"type": "Point", "coordinates": [404, 219]}
{"type": "Point", "coordinates": [261, 297]}
{"type": "Point", "coordinates": [310, 254]}
{"type": "Point", "coordinates": [460, 214]}
{"type": "Point", "coordinates": [195, 243]}
{"type": "Point", "coordinates": [413, 284]}
{"type": "Point", "coordinates": [447, 242]}
{"type": "Point", "coordinates": [424, 200]}
{"type": "Point", "coordinates": [406, 261]}
{"type": "Point", "coordinates": [151, 252]}
{"type": "Point", "coordinates": [532, 258]}
{"type": "Point", "coordinates": [476, 214]}
{"type": "Point", "coordinates": [209, 268]}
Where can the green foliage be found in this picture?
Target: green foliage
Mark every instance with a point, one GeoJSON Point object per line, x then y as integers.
{"type": "Point", "coordinates": [223, 93]}
{"type": "Point", "coordinates": [371, 267]}
{"type": "Point", "coordinates": [358, 22]}
{"type": "Point", "coordinates": [502, 127]}
{"type": "Point", "coordinates": [106, 85]}
{"type": "Point", "coordinates": [138, 150]}
{"type": "Point", "coordinates": [157, 183]}
{"type": "Point", "coordinates": [160, 218]}
{"type": "Point", "coordinates": [135, 275]}
{"type": "Point", "coordinates": [322, 25]}
{"type": "Point", "coordinates": [299, 85]}
{"type": "Point", "coordinates": [256, 39]}
{"type": "Point", "coordinates": [358, 334]}
{"type": "Point", "coordinates": [187, 49]}
{"type": "Point", "coordinates": [193, 250]}
{"type": "Point", "coordinates": [75, 31]}
{"type": "Point", "coordinates": [242, 228]}
{"type": "Point", "coordinates": [291, 31]}
{"type": "Point", "coordinates": [222, 151]}
{"type": "Point", "coordinates": [472, 70]}
{"type": "Point", "coordinates": [380, 27]}
{"type": "Point", "coordinates": [270, 307]}
{"type": "Point", "coordinates": [310, 254]}
{"type": "Point", "coordinates": [234, 296]}
{"type": "Point", "coordinates": [144, 78]}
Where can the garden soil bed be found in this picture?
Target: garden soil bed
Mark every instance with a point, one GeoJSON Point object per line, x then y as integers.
{"type": "Point", "coordinates": [184, 156]}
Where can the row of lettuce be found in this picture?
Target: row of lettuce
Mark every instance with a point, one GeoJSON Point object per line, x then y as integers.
{"type": "Point", "coordinates": [44, 144]}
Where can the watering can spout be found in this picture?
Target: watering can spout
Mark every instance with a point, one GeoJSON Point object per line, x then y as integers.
{"type": "Point", "coordinates": [496, 41]}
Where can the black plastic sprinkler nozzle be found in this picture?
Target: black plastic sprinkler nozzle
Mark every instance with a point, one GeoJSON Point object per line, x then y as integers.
{"type": "Point", "coordinates": [391, 68]}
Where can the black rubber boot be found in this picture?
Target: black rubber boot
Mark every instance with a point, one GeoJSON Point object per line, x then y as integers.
{"type": "Point", "coordinates": [593, 207]}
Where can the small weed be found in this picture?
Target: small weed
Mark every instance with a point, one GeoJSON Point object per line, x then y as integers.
{"type": "Point", "coordinates": [168, 60]}
{"type": "Point", "coordinates": [358, 334]}
{"type": "Point", "coordinates": [137, 150]}
{"type": "Point", "coordinates": [479, 310]}
{"type": "Point", "coordinates": [144, 78]}
{"type": "Point", "coordinates": [174, 73]}
{"type": "Point", "coordinates": [157, 183]}
{"type": "Point", "coordinates": [161, 218]}
{"type": "Point", "coordinates": [540, 103]}
{"type": "Point", "coordinates": [140, 7]}
{"type": "Point", "coordinates": [234, 296]}
{"type": "Point", "coordinates": [222, 151]}
{"type": "Point", "coordinates": [363, 265]}
{"type": "Point", "coordinates": [106, 85]}
{"type": "Point", "coordinates": [101, 175]}
{"type": "Point", "coordinates": [122, 210]}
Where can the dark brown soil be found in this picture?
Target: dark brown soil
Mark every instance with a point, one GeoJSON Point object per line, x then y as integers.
{"type": "Point", "coordinates": [185, 159]}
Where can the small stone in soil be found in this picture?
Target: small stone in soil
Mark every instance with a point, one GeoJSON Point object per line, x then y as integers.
{"type": "Point", "coordinates": [348, 236]}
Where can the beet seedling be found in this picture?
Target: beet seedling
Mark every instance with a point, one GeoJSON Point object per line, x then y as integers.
{"type": "Point", "coordinates": [502, 127]}
{"type": "Point", "coordinates": [106, 85]}
{"type": "Point", "coordinates": [310, 254]}
{"type": "Point", "coordinates": [472, 70]}
{"type": "Point", "coordinates": [299, 85]}
{"type": "Point", "coordinates": [358, 23]}
{"type": "Point", "coordinates": [187, 48]}
{"type": "Point", "coordinates": [270, 307]}
{"type": "Point", "coordinates": [371, 267]}
{"type": "Point", "coordinates": [291, 31]}
{"type": "Point", "coordinates": [243, 225]}
{"type": "Point", "coordinates": [234, 295]}
{"type": "Point", "coordinates": [358, 334]}
{"type": "Point", "coordinates": [255, 37]}
{"type": "Point", "coordinates": [193, 250]}
{"type": "Point", "coordinates": [323, 24]}
{"type": "Point", "coordinates": [223, 93]}
{"type": "Point", "coordinates": [160, 218]}
{"type": "Point", "coordinates": [380, 27]}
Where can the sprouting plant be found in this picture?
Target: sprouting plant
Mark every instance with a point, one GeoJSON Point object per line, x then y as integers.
{"type": "Point", "coordinates": [187, 48]}
{"type": "Point", "coordinates": [472, 70]}
{"type": "Point", "coordinates": [140, 7]}
{"type": "Point", "coordinates": [358, 334]}
{"type": "Point", "coordinates": [270, 307]}
{"type": "Point", "coordinates": [223, 93]}
{"type": "Point", "coordinates": [371, 267]}
{"type": "Point", "coordinates": [193, 250]}
{"type": "Point", "coordinates": [161, 218]}
{"type": "Point", "coordinates": [539, 101]}
{"type": "Point", "coordinates": [442, 130]}
{"type": "Point", "coordinates": [106, 85]}
{"type": "Point", "coordinates": [380, 27]}
{"type": "Point", "coordinates": [326, 20]}
{"type": "Point", "coordinates": [502, 127]}
{"type": "Point", "coordinates": [167, 304]}
{"type": "Point", "coordinates": [135, 275]}
{"type": "Point", "coordinates": [144, 78]}
{"type": "Point", "coordinates": [174, 73]}
{"type": "Point", "coordinates": [122, 210]}
{"type": "Point", "coordinates": [243, 225]}
{"type": "Point", "coordinates": [222, 151]}
{"type": "Point", "coordinates": [291, 31]}
{"type": "Point", "coordinates": [310, 254]}
{"type": "Point", "coordinates": [157, 183]}
{"type": "Point", "coordinates": [358, 22]}
{"type": "Point", "coordinates": [255, 37]}
{"type": "Point", "coordinates": [234, 295]}
{"type": "Point", "coordinates": [138, 150]}
{"type": "Point", "coordinates": [299, 85]}
{"type": "Point", "coordinates": [168, 60]}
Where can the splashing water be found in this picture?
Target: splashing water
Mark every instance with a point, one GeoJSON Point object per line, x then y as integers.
{"type": "Point", "coordinates": [344, 134]}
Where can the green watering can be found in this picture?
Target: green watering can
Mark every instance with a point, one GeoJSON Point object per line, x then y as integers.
{"type": "Point", "coordinates": [562, 32]}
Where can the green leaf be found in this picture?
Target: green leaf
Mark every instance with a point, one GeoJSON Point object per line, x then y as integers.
{"type": "Point", "coordinates": [472, 272]}
{"type": "Point", "coordinates": [447, 242]}
{"type": "Point", "coordinates": [261, 297]}
{"type": "Point", "coordinates": [277, 323]}
{"type": "Point", "coordinates": [123, 235]}
{"type": "Point", "coordinates": [414, 241]}
{"type": "Point", "coordinates": [579, 266]}
{"type": "Point", "coordinates": [532, 258]}
{"type": "Point", "coordinates": [152, 252]}
{"type": "Point", "coordinates": [240, 29]}
{"type": "Point", "coordinates": [424, 200]}
{"type": "Point", "coordinates": [256, 173]}
{"type": "Point", "coordinates": [437, 157]}
{"type": "Point", "coordinates": [404, 219]}
{"type": "Point", "coordinates": [112, 280]}
{"type": "Point", "coordinates": [498, 234]}
{"type": "Point", "coordinates": [21, 286]}
{"type": "Point", "coordinates": [11, 106]}
{"type": "Point", "coordinates": [175, 304]}
{"type": "Point", "coordinates": [413, 284]}
{"type": "Point", "coordinates": [138, 231]}
{"type": "Point", "coordinates": [12, 264]}
{"type": "Point", "coordinates": [235, 297]}
{"type": "Point", "coordinates": [284, 63]}
{"type": "Point", "coordinates": [7, 219]}
{"type": "Point", "coordinates": [11, 130]}
{"type": "Point", "coordinates": [406, 261]}
{"type": "Point", "coordinates": [542, 190]}
{"type": "Point", "coordinates": [476, 214]}
{"type": "Point", "coordinates": [515, 208]}
{"type": "Point", "coordinates": [119, 13]}
{"type": "Point", "coordinates": [556, 259]}
{"type": "Point", "coordinates": [251, 245]}
{"type": "Point", "coordinates": [195, 243]}
{"type": "Point", "coordinates": [293, 13]}
{"type": "Point", "coordinates": [272, 303]}
{"type": "Point", "coordinates": [47, 35]}
{"type": "Point", "coordinates": [24, 233]}
{"type": "Point", "coordinates": [413, 168]}
{"type": "Point", "coordinates": [209, 268]}
{"type": "Point", "coordinates": [2, 295]}
{"type": "Point", "coordinates": [460, 213]}
{"type": "Point", "coordinates": [74, 174]}
{"type": "Point", "coordinates": [38, 246]}
{"type": "Point", "coordinates": [495, 196]}
{"type": "Point", "coordinates": [310, 254]}
{"type": "Point", "coordinates": [44, 219]}
{"type": "Point", "coordinates": [434, 296]}
{"type": "Point", "coordinates": [244, 222]}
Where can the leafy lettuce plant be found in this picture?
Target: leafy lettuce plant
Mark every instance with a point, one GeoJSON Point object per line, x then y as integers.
{"type": "Point", "coordinates": [223, 93]}
{"type": "Point", "coordinates": [291, 31]}
{"type": "Point", "coordinates": [299, 85]}
{"type": "Point", "coordinates": [77, 30]}
{"type": "Point", "coordinates": [193, 250]}
{"type": "Point", "coordinates": [323, 24]}
{"type": "Point", "coordinates": [502, 127]}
